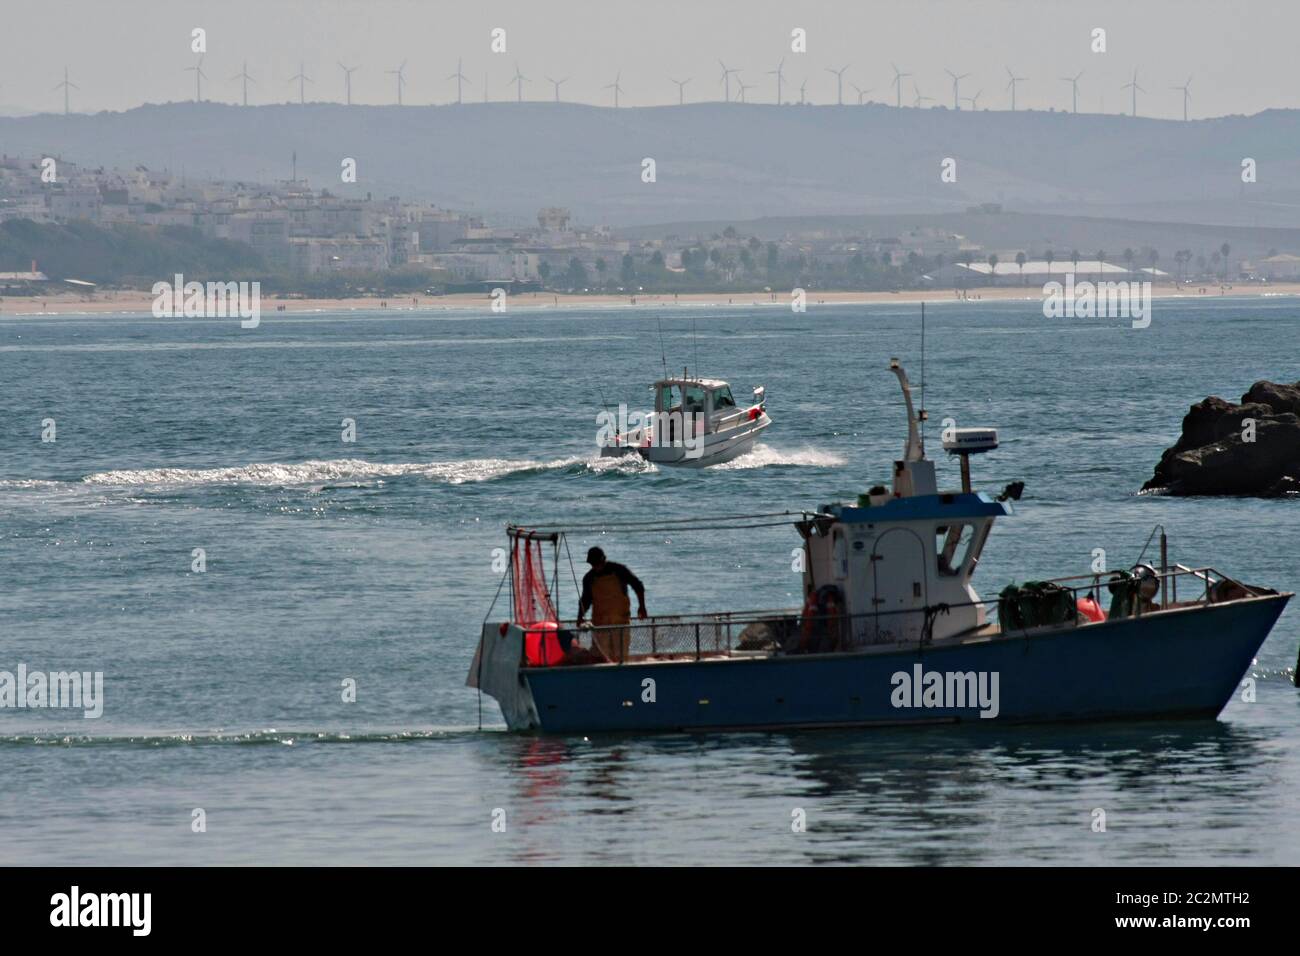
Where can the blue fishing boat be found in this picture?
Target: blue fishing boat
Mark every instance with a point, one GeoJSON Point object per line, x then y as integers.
{"type": "Point", "coordinates": [892, 631]}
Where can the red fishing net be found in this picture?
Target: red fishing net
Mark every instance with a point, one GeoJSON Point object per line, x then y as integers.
{"type": "Point", "coordinates": [534, 611]}
{"type": "Point", "coordinates": [532, 598]}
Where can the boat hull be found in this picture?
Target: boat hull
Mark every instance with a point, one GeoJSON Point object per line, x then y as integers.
{"type": "Point", "coordinates": [718, 447]}
{"type": "Point", "coordinates": [1181, 663]}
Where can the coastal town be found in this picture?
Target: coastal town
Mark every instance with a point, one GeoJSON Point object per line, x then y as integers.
{"type": "Point", "coordinates": [305, 234]}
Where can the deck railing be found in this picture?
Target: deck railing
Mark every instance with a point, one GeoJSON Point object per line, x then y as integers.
{"type": "Point", "coordinates": [789, 631]}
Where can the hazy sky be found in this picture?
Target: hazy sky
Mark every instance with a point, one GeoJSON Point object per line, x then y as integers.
{"type": "Point", "coordinates": [1241, 55]}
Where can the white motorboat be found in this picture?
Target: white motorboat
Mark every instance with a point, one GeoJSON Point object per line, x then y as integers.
{"type": "Point", "coordinates": [695, 422]}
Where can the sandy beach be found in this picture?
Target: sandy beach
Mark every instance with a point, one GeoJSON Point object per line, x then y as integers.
{"type": "Point", "coordinates": [134, 302]}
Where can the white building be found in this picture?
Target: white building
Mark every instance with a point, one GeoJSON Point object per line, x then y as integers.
{"type": "Point", "coordinates": [315, 255]}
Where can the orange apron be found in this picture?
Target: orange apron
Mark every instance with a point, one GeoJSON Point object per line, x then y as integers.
{"type": "Point", "coordinates": [611, 612]}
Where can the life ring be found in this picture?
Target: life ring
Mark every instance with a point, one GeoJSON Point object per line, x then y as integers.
{"type": "Point", "coordinates": [1090, 610]}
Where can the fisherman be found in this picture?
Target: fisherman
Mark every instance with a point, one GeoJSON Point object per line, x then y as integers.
{"type": "Point", "coordinates": [604, 591]}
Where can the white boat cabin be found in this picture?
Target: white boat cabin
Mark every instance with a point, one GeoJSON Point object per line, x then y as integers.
{"type": "Point", "coordinates": [710, 398]}
{"type": "Point", "coordinates": [900, 551]}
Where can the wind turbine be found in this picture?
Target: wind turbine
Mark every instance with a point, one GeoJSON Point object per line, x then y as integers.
{"type": "Point", "coordinates": [302, 78]}
{"type": "Point", "coordinates": [557, 83]}
{"type": "Point", "coordinates": [802, 87]}
{"type": "Point", "coordinates": [615, 87]}
{"type": "Point", "coordinates": [743, 86]}
{"type": "Point", "coordinates": [780, 76]}
{"type": "Point", "coordinates": [1074, 87]}
{"type": "Point", "coordinates": [919, 98]}
{"type": "Point", "coordinates": [243, 75]}
{"type": "Point", "coordinates": [898, 84]}
{"type": "Point", "coordinates": [460, 78]}
{"type": "Point", "coordinates": [199, 77]}
{"type": "Point", "coordinates": [65, 86]}
{"type": "Point", "coordinates": [519, 80]}
{"type": "Point", "coordinates": [1136, 89]}
{"type": "Point", "coordinates": [1011, 84]}
{"type": "Point", "coordinates": [861, 92]}
{"type": "Point", "coordinates": [1186, 96]}
{"type": "Point", "coordinates": [347, 78]}
{"type": "Point", "coordinates": [401, 80]}
{"type": "Point", "coordinates": [839, 83]}
{"type": "Point", "coordinates": [726, 79]}
{"type": "Point", "coordinates": [956, 99]}
{"type": "Point", "coordinates": [681, 89]}
{"type": "Point", "coordinates": [485, 86]}
{"type": "Point", "coordinates": [974, 101]}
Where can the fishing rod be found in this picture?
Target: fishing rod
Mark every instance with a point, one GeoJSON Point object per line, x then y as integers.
{"type": "Point", "coordinates": [612, 416]}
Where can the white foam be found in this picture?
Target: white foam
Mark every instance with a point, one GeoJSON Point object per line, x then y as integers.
{"type": "Point", "coordinates": [352, 470]}
{"type": "Point", "coordinates": [313, 472]}
{"type": "Point", "coordinates": [358, 472]}
{"type": "Point", "coordinates": [764, 456]}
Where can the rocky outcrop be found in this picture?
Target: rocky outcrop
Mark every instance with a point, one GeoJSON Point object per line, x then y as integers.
{"type": "Point", "coordinates": [1219, 453]}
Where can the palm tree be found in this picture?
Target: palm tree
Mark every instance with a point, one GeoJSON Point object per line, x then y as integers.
{"type": "Point", "coordinates": [1129, 256]}
{"type": "Point", "coordinates": [1020, 261]}
{"type": "Point", "coordinates": [1225, 249]}
{"type": "Point", "coordinates": [1050, 257]}
{"type": "Point", "coordinates": [1074, 256]}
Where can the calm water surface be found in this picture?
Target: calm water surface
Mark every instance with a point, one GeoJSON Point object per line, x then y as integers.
{"type": "Point", "coordinates": [372, 560]}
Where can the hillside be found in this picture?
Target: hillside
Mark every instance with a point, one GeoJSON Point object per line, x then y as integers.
{"type": "Point", "coordinates": [120, 253]}
{"type": "Point", "coordinates": [714, 161]}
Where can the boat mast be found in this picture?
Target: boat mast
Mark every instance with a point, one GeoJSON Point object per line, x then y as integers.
{"type": "Point", "coordinates": [914, 450]}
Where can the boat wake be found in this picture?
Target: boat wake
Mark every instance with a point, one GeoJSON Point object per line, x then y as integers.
{"type": "Point", "coordinates": [764, 456]}
{"type": "Point", "coordinates": [356, 471]}
{"type": "Point", "coordinates": [336, 472]}
{"type": "Point", "coordinates": [317, 472]}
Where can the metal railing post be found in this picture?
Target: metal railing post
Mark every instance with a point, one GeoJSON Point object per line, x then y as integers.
{"type": "Point", "coordinates": [697, 640]}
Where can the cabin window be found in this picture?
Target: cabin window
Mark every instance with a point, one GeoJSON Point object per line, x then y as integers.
{"type": "Point", "coordinates": [722, 400]}
{"type": "Point", "coordinates": [949, 541]}
{"type": "Point", "coordinates": [670, 397]}
{"type": "Point", "coordinates": [694, 403]}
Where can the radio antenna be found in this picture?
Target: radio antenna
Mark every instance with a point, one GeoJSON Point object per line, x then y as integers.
{"type": "Point", "coordinates": [663, 355]}
{"type": "Point", "coordinates": [923, 415]}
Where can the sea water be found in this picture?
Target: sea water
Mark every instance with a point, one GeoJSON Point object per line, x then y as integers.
{"type": "Point", "coordinates": [201, 531]}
